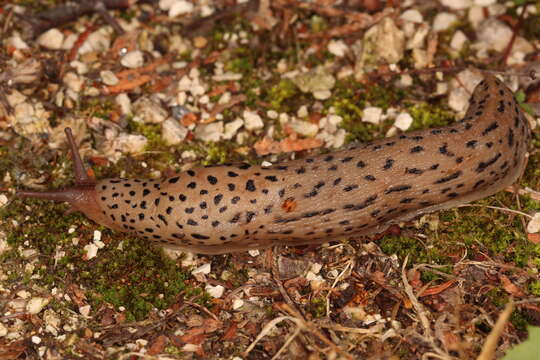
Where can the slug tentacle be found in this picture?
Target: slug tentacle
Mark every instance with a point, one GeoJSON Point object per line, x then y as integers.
{"type": "Point", "coordinates": [354, 192]}
{"type": "Point", "coordinates": [81, 197]}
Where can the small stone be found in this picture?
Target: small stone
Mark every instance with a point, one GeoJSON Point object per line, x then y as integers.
{"type": "Point", "coordinates": [484, 2]}
{"type": "Point", "coordinates": [166, 4]}
{"type": "Point", "coordinates": [209, 132]}
{"type": "Point", "coordinates": [337, 48]}
{"type": "Point", "coordinates": [412, 15]}
{"type": "Point", "coordinates": [200, 42]}
{"type": "Point", "coordinates": [457, 4]}
{"type": "Point", "coordinates": [203, 269]}
{"type": "Point", "coordinates": [322, 94]}
{"type": "Point", "coordinates": [215, 291]}
{"type": "Point", "coordinates": [172, 132]}
{"type": "Point", "coordinates": [302, 112]}
{"type": "Point", "coordinates": [36, 304]}
{"type": "Point", "coordinates": [149, 111]}
{"type": "Point", "coordinates": [36, 339]}
{"type": "Point", "coordinates": [131, 144]}
{"type": "Point", "coordinates": [91, 251]}
{"type": "Point", "coordinates": [133, 59]}
{"type": "Point", "coordinates": [304, 127]}
{"type": "Point", "coordinates": [108, 77]}
{"type": "Point", "coordinates": [458, 40]}
{"type": "Point", "coordinates": [3, 330]}
{"type": "Point", "coordinates": [51, 39]}
{"type": "Point", "coordinates": [84, 310]}
{"type": "Point", "coordinates": [180, 7]}
{"type": "Point", "coordinates": [232, 127]}
{"type": "Point", "coordinates": [372, 115]}
{"type": "Point", "coordinates": [3, 200]}
{"type": "Point", "coordinates": [534, 224]}
{"type": "Point", "coordinates": [124, 102]}
{"type": "Point", "coordinates": [443, 21]}
{"type": "Point", "coordinates": [73, 81]}
{"type": "Point", "coordinates": [237, 304]}
{"type": "Point", "coordinates": [403, 121]}
{"type": "Point", "coordinates": [252, 120]}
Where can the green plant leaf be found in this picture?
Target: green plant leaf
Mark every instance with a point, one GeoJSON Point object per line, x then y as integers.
{"type": "Point", "coordinates": [527, 350]}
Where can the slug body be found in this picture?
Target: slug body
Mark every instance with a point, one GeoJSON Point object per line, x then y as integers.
{"type": "Point", "coordinates": [354, 192]}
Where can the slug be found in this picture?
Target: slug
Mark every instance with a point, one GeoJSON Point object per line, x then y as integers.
{"type": "Point", "coordinates": [349, 193]}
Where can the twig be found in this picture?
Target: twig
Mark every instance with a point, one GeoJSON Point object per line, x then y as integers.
{"type": "Point", "coordinates": [498, 208]}
{"type": "Point", "coordinates": [488, 350]}
{"type": "Point", "coordinates": [421, 312]}
{"type": "Point", "coordinates": [349, 265]}
{"type": "Point", "coordinates": [510, 45]}
{"type": "Point", "coordinates": [68, 12]}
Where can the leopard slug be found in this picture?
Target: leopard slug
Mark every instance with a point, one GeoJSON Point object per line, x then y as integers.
{"type": "Point", "coordinates": [349, 193]}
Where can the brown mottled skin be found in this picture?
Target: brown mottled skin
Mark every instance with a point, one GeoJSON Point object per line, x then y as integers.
{"type": "Point", "coordinates": [349, 193]}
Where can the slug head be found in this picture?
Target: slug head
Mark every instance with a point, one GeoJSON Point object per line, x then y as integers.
{"type": "Point", "coordinates": [81, 197]}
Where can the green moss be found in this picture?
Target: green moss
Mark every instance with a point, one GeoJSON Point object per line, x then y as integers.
{"type": "Point", "coordinates": [278, 94]}
{"type": "Point", "coordinates": [534, 288]}
{"type": "Point", "coordinates": [416, 250]}
{"type": "Point", "coordinates": [427, 116]}
{"type": "Point", "coordinates": [139, 277]}
{"type": "Point", "coordinates": [317, 307]}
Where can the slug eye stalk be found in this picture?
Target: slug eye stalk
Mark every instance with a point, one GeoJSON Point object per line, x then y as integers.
{"type": "Point", "coordinates": [83, 183]}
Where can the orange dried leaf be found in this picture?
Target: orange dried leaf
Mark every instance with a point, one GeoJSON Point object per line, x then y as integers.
{"type": "Point", "coordinates": [534, 238]}
{"type": "Point", "coordinates": [267, 146]}
{"type": "Point", "coordinates": [158, 345]}
{"type": "Point", "coordinates": [438, 289]}
{"type": "Point", "coordinates": [127, 84]}
{"type": "Point", "coordinates": [289, 144]}
{"type": "Point", "coordinates": [510, 287]}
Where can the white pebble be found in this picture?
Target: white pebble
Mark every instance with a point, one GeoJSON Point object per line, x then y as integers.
{"type": "Point", "coordinates": [304, 127]}
{"type": "Point", "coordinates": [3, 200]}
{"type": "Point", "coordinates": [73, 81]}
{"type": "Point", "coordinates": [412, 15]}
{"type": "Point", "coordinates": [203, 269]}
{"type": "Point", "coordinates": [124, 102]}
{"type": "Point", "coordinates": [457, 4]}
{"type": "Point", "coordinates": [337, 48]}
{"type": "Point", "coordinates": [534, 224]}
{"type": "Point", "coordinates": [232, 127]}
{"type": "Point", "coordinates": [36, 304]}
{"type": "Point", "coordinates": [173, 132]}
{"type": "Point", "coordinates": [51, 39]}
{"type": "Point", "coordinates": [272, 114]}
{"type": "Point", "coordinates": [180, 8]}
{"type": "Point", "coordinates": [166, 4]}
{"type": "Point", "coordinates": [403, 121]}
{"type": "Point", "coordinates": [84, 310]}
{"type": "Point", "coordinates": [97, 235]}
{"type": "Point", "coordinates": [215, 291]}
{"type": "Point", "coordinates": [108, 77]}
{"type": "Point", "coordinates": [91, 251]}
{"type": "Point", "coordinates": [484, 2]}
{"type": "Point", "coordinates": [237, 304]}
{"type": "Point", "coordinates": [209, 132]}
{"type": "Point", "coordinates": [443, 21]}
{"type": "Point", "coordinates": [322, 94]}
{"type": "Point", "coordinates": [252, 120]}
{"type": "Point", "coordinates": [36, 339]}
{"type": "Point", "coordinates": [3, 330]}
{"type": "Point", "coordinates": [458, 40]}
{"type": "Point", "coordinates": [133, 59]}
{"type": "Point", "coordinates": [302, 112]}
{"type": "Point", "coordinates": [372, 115]}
